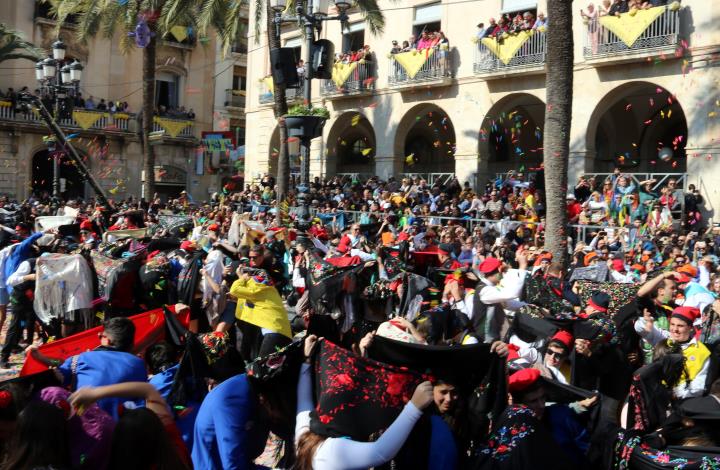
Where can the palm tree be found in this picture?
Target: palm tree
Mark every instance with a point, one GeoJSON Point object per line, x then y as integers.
{"type": "Point", "coordinates": [213, 12]}
{"type": "Point", "coordinates": [556, 144]}
{"type": "Point", "coordinates": [112, 19]}
{"type": "Point", "coordinates": [13, 46]}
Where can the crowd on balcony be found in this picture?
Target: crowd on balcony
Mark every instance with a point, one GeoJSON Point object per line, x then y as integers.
{"type": "Point", "coordinates": [175, 113]}
{"type": "Point", "coordinates": [463, 344]}
{"type": "Point", "coordinates": [509, 24]}
{"type": "Point", "coordinates": [427, 40]}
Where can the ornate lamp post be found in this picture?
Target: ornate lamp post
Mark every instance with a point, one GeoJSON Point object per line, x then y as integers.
{"type": "Point", "coordinates": [59, 81]}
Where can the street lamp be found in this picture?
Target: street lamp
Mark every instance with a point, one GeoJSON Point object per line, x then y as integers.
{"type": "Point", "coordinates": [59, 81]}
{"type": "Point", "coordinates": [312, 22]}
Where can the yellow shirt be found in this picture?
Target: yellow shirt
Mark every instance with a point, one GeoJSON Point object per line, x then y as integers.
{"type": "Point", "coordinates": [261, 306]}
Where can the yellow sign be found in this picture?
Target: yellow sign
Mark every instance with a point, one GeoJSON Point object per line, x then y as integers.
{"type": "Point", "coordinates": [180, 32]}
{"type": "Point", "coordinates": [341, 72]}
{"type": "Point", "coordinates": [86, 119]}
{"type": "Point", "coordinates": [413, 61]}
{"type": "Point", "coordinates": [268, 81]}
{"type": "Point", "coordinates": [506, 48]}
{"type": "Point", "coordinates": [172, 126]}
{"type": "Point", "coordinates": [630, 26]}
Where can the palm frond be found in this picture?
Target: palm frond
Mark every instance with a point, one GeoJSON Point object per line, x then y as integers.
{"type": "Point", "coordinates": [373, 16]}
{"type": "Point", "coordinates": [14, 46]}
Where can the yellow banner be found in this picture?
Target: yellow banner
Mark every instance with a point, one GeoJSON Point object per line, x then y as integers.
{"type": "Point", "coordinates": [5, 104]}
{"type": "Point", "coordinates": [86, 119]}
{"type": "Point", "coordinates": [268, 81]}
{"type": "Point", "coordinates": [121, 116]}
{"type": "Point", "coordinates": [629, 26]}
{"type": "Point", "coordinates": [413, 61]}
{"type": "Point", "coordinates": [180, 32]}
{"type": "Point", "coordinates": [172, 126]}
{"type": "Point", "coordinates": [505, 49]}
{"type": "Point", "coordinates": [341, 72]}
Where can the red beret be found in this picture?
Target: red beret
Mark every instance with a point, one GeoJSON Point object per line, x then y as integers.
{"type": "Point", "coordinates": [213, 227]}
{"type": "Point", "coordinates": [86, 225]}
{"type": "Point", "coordinates": [522, 380]}
{"type": "Point", "coordinates": [689, 314]}
{"type": "Point", "coordinates": [187, 245]}
{"type": "Point", "coordinates": [564, 337]}
{"type": "Point", "coordinates": [618, 265]}
{"type": "Point", "coordinates": [490, 265]}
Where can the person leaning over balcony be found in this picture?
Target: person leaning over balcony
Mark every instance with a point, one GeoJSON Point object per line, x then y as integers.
{"type": "Point", "coordinates": [541, 22]}
{"type": "Point", "coordinates": [443, 45]}
{"type": "Point", "coordinates": [528, 21]}
{"type": "Point", "coordinates": [618, 7]}
{"type": "Point", "coordinates": [490, 29]}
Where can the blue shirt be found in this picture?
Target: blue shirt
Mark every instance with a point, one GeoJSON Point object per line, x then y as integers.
{"type": "Point", "coordinates": [443, 451]}
{"type": "Point", "coordinates": [185, 420]}
{"type": "Point", "coordinates": [19, 254]}
{"type": "Point", "coordinates": [228, 434]}
{"type": "Point", "coordinates": [104, 367]}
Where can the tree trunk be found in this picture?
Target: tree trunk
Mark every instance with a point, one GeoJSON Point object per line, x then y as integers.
{"type": "Point", "coordinates": [280, 108]}
{"type": "Point", "coordinates": [558, 116]}
{"type": "Point", "coordinates": [148, 112]}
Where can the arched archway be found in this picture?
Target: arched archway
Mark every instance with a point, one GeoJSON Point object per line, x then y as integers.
{"type": "Point", "coordinates": [42, 175]}
{"type": "Point", "coordinates": [511, 135]}
{"type": "Point", "coordinates": [351, 145]}
{"type": "Point", "coordinates": [425, 140]}
{"type": "Point", "coordinates": [274, 152]}
{"type": "Point", "coordinates": [632, 124]}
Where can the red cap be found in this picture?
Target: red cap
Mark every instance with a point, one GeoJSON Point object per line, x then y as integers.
{"type": "Point", "coordinates": [682, 278]}
{"type": "Point", "coordinates": [689, 314]}
{"type": "Point", "coordinates": [543, 257]}
{"type": "Point", "coordinates": [213, 227]}
{"type": "Point", "coordinates": [187, 245]}
{"type": "Point", "coordinates": [688, 269]}
{"type": "Point", "coordinates": [86, 225]}
{"type": "Point", "coordinates": [522, 380]}
{"type": "Point", "coordinates": [490, 265]}
{"type": "Point", "coordinates": [618, 265]}
{"type": "Point", "coordinates": [589, 257]}
{"type": "Point", "coordinates": [564, 338]}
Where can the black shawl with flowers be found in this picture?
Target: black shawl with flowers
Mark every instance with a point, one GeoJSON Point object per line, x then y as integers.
{"type": "Point", "coordinates": [520, 441]}
{"type": "Point", "coordinates": [357, 397]}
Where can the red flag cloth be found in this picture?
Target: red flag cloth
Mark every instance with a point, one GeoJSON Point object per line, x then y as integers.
{"type": "Point", "coordinates": [149, 329]}
{"type": "Point", "coordinates": [344, 261]}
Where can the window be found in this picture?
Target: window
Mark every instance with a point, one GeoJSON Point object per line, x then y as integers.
{"type": "Point", "coordinates": [514, 6]}
{"type": "Point", "coordinates": [427, 18]}
{"type": "Point", "coordinates": [167, 86]}
{"type": "Point", "coordinates": [239, 79]}
{"type": "Point", "coordinates": [354, 38]}
{"type": "Point", "coordinates": [296, 45]}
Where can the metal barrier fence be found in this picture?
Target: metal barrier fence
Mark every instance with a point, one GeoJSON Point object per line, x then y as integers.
{"type": "Point", "coordinates": [360, 80]}
{"type": "Point", "coordinates": [436, 67]}
{"type": "Point", "coordinates": [530, 54]}
{"type": "Point", "coordinates": [662, 33]}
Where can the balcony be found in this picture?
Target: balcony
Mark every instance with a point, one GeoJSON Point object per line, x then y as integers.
{"type": "Point", "coordinates": [426, 67]}
{"type": "Point", "coordinates": [235, 98]}
{"type": "Point", "coordinates": [266, 92]}
{"type": "Point", "coordinates": [84, 119]}
{"type": "Point", "coordinates": [164, 126]}
{"type": "Point", "coordinates": [356, 78]}
{"type": "Point", "coordinates": [515, 53]}
{"type": "Point", "coordinates": [628, 37]}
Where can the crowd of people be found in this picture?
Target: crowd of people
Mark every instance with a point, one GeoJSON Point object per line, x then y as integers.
{"type": "Point", "coordinates": [388, 329]}
{"type": "Point", "coordinates": [509, 24]}
{"type": "Point", "coordinates": [436, 41]}
{"type": "Point", "coordinates": [91, 103]}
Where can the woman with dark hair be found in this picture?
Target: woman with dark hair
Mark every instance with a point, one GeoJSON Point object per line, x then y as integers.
{"type": "Point", "coordinates": [319, 452]}
{"type": "Point", "coordinates": [40, 439]}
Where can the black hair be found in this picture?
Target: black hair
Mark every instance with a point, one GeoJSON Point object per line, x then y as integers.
{"type": "Point", "coordinates": [141, 442]}
{"type": "Point", "coordinates": [121, 331]}
{"type": "Point", "coordinates": [40, 438]}
{"type": "Point", "coordinates": [160, 357]}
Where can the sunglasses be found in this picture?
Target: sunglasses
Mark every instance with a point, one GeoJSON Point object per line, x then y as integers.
{"type": "Point", "coordinates": [550, 352]}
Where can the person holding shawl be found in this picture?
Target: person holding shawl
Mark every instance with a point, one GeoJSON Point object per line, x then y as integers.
{"type": "Point", "coordinates": [320, 452]}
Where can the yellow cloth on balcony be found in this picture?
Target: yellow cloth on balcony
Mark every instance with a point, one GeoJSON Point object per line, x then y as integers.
{"type": "Point", "coordinates": [341, 72]}
{"type": "Point", "coordinates": [86, 119]}
{"type": "Point", "coordinates": [268, 81]}
{"type": "Point", "coordinates": [413, 61]}
{"type": "Point", "coordinates": [180, 32]}
{"type": "Point", "coordinates": [505, 49]}
{"type": "Point", "coordinates": [172, 126]}
{"type": "Point", "coordinates": [5, 104]}
{"type": "Point", "coordinates": [629, 27]}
